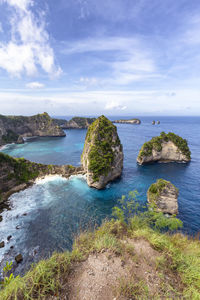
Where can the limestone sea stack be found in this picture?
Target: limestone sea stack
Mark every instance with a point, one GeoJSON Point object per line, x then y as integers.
{"type": "Point", "coordinates": [164, 148]}
{"type": "Point", "coordinates": [163, 196]}
{"type": "Point", "coordinates": [102, 157]}
{"type": "Point", "coordinates": [130, 121]}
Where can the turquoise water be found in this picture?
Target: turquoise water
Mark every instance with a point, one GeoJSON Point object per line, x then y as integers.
{"type": "Point", "coordinates": [56, 209]}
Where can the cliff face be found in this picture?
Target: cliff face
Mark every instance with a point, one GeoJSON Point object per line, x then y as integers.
{"type": "Point", "coordinates": [14, 128]}
{"type": "Point", "coordinates": [131, 121]}
{"type": "Point", "coordinates": [75, 123]}
{"type": "Point", "coordinates": [163, 195]}
{"type": "Point", "coordinates": [17, 173]}
{"type": "Point", "coordinates": [102, 156]}
{"type": "Point", "coordinates": [164, 148]}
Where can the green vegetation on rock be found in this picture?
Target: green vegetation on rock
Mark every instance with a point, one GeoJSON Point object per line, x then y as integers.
{"type": "Point", "coordinates": [156, 143]}
{"type": "Point", "coordinates": [101, 155]}
{"type": "Point", "coordinates": [82, 121]}
{"type": "Point", "coordinates": [20, 169]}
{"type": "Point", "coordinates": [156, 188]}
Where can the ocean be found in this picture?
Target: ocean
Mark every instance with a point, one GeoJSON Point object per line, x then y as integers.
{"type": "Point", "coordinates": [49, 214]}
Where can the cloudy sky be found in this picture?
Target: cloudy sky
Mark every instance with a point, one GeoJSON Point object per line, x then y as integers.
{"type": "Point", "coordinates": [88, 57]}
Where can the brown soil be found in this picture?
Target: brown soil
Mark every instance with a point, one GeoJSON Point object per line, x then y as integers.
{"type": "Point", "coordinates": [102, 275]}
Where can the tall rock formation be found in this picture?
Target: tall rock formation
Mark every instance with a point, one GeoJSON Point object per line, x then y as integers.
{"type": "Point", "coordinates": [163, 196]}
{"type": "Point", "coordinates": [165, 148]}
{"type": "Point", "coordinates": [102, 157]}
{"type": "Point", "coordinates": [14, 128]}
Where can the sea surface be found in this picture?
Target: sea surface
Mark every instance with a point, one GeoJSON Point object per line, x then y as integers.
{"type": "Point", "coordinates": [49, 214]}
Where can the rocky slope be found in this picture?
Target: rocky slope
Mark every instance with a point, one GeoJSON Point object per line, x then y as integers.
{"type": "Point", "coordinates": [102, 156]}
{"type": "Point", "coordinates": [163, 195]}
{"type": "Point", "coordinates": [131, 121]}
{"type": "Point", "coordinates": [165, 148]}
{"type": "Point", "coordinates": [75, 123]}
{"type": "Point", "coordinates": [18, 173]}
{"type": "Point", "coordinates": [14, 128]}
{"type": "Point", "coordinates": [116, 261]}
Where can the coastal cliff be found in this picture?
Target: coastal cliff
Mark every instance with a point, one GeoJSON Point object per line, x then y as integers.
{"type": "Point", "coordinates": [102, 157]}
{"type": "Point", "coordinates": [75, 123]}
{"type": "Point", "coordinates": [18, 173]}
{"type": "Point", "coordinates": [163, 195]}
{"type": "Point", "coordinates": [165, 148]}
{"type": "Point", "coordinates": [14, 128]}
{"type": "Point", "coordinates": [131, 121]}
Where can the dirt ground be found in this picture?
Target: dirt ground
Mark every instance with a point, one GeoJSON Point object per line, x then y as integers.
{"type": "Point", "coordinates": [103, 275]}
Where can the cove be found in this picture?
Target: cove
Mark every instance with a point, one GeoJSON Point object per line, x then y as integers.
{"type": "Point", "coordinates": [56, 208]}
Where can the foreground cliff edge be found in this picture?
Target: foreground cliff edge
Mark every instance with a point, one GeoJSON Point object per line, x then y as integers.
{"type": "Point", "coordinates": [102, 156]}
{"type": "Point", "coordinates": [123, 259]}
{"type": "Point", "coordinates": [165, 148]}
{"type": "Point", "coordinates": [14, 128]}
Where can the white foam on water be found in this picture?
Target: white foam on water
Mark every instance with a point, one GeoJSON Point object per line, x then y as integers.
{"type": "Point", "coordinates": [49, 178]}
{"type": "Point", "coordinates": [25, 206]}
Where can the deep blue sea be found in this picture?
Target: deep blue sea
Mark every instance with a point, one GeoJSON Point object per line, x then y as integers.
{"type": "Point", "coordinates": [56, 208]}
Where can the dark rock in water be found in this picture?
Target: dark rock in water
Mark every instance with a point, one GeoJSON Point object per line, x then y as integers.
{"type": "Point", "coordinates": [11, 247]}
{"type": "Point", "coordinates": [20, 140]}
{"type": "Point", "coordinates": [25, 214]}
{"type": "Point", "coordinates": [1, 218]}
{"type": "Point", "coordinates": [17, 227]}
{"type": "Point", "coordinates": [2, 244]}
{"type": "Point", "coordinates": [9, 237]}
{"type": "Point", "coordinates": [153, 122]}
{"type": "Point", "coordinates": [18, 258]}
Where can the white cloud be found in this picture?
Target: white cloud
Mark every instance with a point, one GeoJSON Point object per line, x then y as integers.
{"type": "Point", "coordinates": [88, 81]}
{"type": "Point", "coordinates": [29, 47]}
{"type": "Point", "coordinates": [114, 105]}
{"type": "Point", "coordinates": [152, 102]}
{"type": "Point", "coordinates": [130, 60]}
{"type": "Point", "coordinates": [35, 85]}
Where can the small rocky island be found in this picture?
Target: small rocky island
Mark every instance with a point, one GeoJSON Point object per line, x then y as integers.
{"type": "Point", "coordinates": [14, 128]}
{"type": "Point", "coordinates": [165, 148]}
{"type": "Point", "coordinates": [163, 196]}
{"type": "Point", "coordinates": [102, 157]}
{"type": "Point", "coordinates": [130, 121]}
{"type": "Point", "coordinates": [75, 123]}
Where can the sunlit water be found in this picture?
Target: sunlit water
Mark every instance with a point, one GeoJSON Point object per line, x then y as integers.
{"type": "Point", "coordinates": [49, 214]}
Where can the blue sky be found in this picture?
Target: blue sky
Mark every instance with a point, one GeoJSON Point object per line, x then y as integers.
{"type": "Point", "coordinates": [90, 57]}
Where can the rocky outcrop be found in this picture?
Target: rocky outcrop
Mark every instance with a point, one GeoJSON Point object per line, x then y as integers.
{"type": "Point", "coordinates": [102, 156]}
{"type": "Point", "coordinates": [164, 148]}
{"type": "Point", "coordinates": [75, 123]}
{"type": "Point", "coordinates": [131, 121]}
{"type": "Point", "coordinates": [18, 173]}
{"type": "Point", "coordinates": [163, 196]}
{"type": "Point", "coordinates": [14, 128]}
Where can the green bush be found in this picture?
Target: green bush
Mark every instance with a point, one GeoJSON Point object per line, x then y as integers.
{"type": "Point", "coordinates": [156, 143]}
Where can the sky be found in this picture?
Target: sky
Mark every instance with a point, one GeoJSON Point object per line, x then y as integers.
{"type": "Point", "coordinates": [91, 57]}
